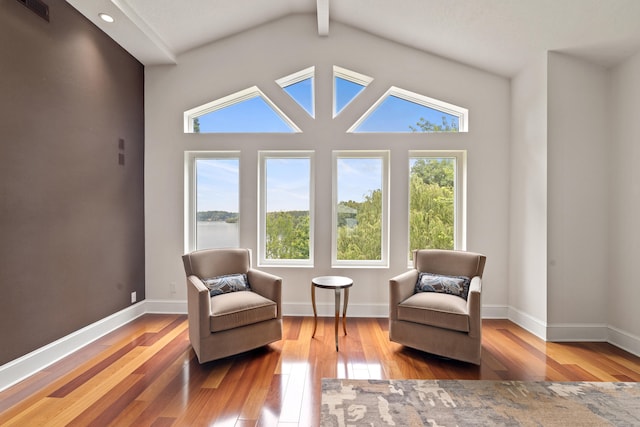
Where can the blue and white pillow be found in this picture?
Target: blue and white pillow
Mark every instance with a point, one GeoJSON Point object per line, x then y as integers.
{"type": "Point", "coordinates": [225, 284]}
{"type": "Point", "coordinates": [453, 285]}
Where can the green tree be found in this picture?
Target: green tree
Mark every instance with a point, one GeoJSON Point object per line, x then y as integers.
{"type": "Point", "coordinates": [196, 125]}
{"type": "Point", "coordinates": [425, 125]}
{"type": "Point", "coordinates": [361, 238]}
{"type": "Point", "coordinates": [287, 235]}
{"type": "Point", "coordinates": [431, 210]}
{"type": "Point", "coordinates": [435, 171]}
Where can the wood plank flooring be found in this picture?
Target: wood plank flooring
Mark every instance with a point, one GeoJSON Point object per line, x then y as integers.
{"type": "Point", "coordinates": [146, 374]}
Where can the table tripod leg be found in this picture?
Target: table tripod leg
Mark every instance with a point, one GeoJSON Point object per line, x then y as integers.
{"type": "Point", "coordinates": [344, 310]}
{"type": "Point", "coordinates": [337, 315]}
{"type": "Point", "coordinates": [315, 313]}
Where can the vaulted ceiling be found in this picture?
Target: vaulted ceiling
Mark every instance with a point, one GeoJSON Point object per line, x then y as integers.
{"type": "Point", "coordinates": [499, 36]}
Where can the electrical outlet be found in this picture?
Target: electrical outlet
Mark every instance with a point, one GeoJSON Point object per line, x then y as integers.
{"type": "Point", "coordinates": [134, 297]}
{"type": "Point", "coordinates": [172, 287]}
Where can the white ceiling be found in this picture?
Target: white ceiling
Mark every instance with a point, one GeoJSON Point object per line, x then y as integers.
{"type": "Point", "coordinates": [499, 36]}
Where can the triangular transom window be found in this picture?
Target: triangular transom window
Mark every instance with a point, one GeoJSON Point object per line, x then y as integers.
{"type": "Point", "coordinates": [300, 87]}
{"type": "Point", "coordinates": [399, 110]}
{"type": "Point", "coordinates": [347, 85]}
{"type": "Point", "coordinates": [247, 111]}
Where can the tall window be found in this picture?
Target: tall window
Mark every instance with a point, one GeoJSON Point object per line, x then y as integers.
{"type": "Point", "coordinates": [436, 186]}
{"type": "Point", "coordinates": [214, 184]}
{"type": "Point", "coordinates": [360, 230]}
{"type": "Point", "coordinates": [286, 214]}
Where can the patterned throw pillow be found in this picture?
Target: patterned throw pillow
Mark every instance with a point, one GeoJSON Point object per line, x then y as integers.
{"type": "Point", "coordinates": [225, 284]}
{"type": "Point", "coordinates": [454, 285]}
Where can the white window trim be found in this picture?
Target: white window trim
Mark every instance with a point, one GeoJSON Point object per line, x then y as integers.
{"type": "Point", "coordinates": [461, 113]}
{"type": "Point", "coordinates": [234, 98]}
{"type": "Point", "coordinates": [351, 76]}
{"type": "Point", "coordinates": [460, 198]}
{"type": "Point", "coordinates": [361, 154]}
{"type": "Point", "coordinates": [291, 79]}
{"type": "Point", "coordinates": [262, 207]}
{"type": "Point", "coordinates": [191, 192]}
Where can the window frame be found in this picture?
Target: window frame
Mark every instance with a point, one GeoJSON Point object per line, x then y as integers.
{"type": "Point", "coordinates": [191, 191]}
{"type": "Point", "coordinates": [384, 156]}
{"type": "Point", "coordinates": [262, 207]}
{"type": "Point", "coordinates": [460, 194]}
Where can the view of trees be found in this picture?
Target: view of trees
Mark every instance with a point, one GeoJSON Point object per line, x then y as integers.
{"type": "Point", "coordinates": [360, 228]}
{"type": "Point", "coordinates": [431, 210]}
{"type": "Point", "coordinates": [424, 125]}
{"type": "Point", "coordinates": [431, 214]}
{"type": "Point", "coordinates": [218, 216]}
{"type": "Point", "coordinates": [287, 235]}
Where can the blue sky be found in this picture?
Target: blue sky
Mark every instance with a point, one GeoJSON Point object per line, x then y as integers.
{"type": "Point", "coordinates": [217, 184]}
{"type": "Point", "coordinates": [302, 93]}
{"type": "Point", "coordinates": [396, 115]}
{"type": "Point", "coordinates": [357, 177]}
{"type": "Point", "coordinates": [287, 184]}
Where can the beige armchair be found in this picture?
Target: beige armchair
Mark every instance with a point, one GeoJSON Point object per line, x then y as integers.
{"type": "Point", "coordinates": [231, 322]}
{"type": "Point", "coordinates": [438, 323]}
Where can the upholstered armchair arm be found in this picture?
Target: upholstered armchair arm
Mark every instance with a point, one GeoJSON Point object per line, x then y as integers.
{"type": "Point", "coordinates": [473, 306]}
{"type": "Point", "coordinates": [267, 285]}
{"type": "Point", "coordinates": [199, 306]}
{"type": "Point", "coordinates": [401, 287]}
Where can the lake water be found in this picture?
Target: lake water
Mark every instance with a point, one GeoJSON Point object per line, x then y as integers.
{"type": "Point", "coordinates": [217, 234]}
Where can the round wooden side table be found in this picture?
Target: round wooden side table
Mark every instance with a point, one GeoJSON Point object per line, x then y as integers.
{"type": "Point", "coordinates": [337, 283]}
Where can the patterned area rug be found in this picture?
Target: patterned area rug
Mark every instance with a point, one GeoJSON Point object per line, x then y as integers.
{"type": "Point", "coordinates": [478, 403]}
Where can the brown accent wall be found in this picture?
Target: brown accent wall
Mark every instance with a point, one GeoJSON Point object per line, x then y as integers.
{"type": "Point", "coordinates": [71, 216]}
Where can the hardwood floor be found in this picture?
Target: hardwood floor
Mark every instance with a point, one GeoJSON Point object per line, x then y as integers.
{"type": "Point", "coordinates": [146, 374]}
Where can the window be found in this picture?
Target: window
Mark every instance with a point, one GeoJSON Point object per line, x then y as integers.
{"type": "Point", "coordinates": [299, 86]}
{"type": "Point", "coordinates": [246, 111]}
{"type": "Point", "coordinates": [347, 85]}
{"type": "Point", "coordinates": [286, 214]}
{"type": "Point", "coordinates": [213, 181]}
{"type": "Point", "coordinates": [399, 110]}
{"type": "Point", "coordinates": [360, 205]}
{"type": "Point", "coordinates": [436, 200]}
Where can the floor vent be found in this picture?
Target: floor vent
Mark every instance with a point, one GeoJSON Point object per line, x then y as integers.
{"type": "Point", "coordinates": [38, 7]}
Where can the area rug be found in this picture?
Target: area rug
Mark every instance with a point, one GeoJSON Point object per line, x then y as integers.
{"type": "Point", "coordinates": [478, 403]}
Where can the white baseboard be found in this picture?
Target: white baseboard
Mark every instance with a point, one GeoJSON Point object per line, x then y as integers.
{"type": "Point", "coordinates": [623, 340]}
{"type": "Point", "coordinates": [494, 311]}
{"type": "Point", "coordinates": [17, 370]}
{"type": "Point", "coordinates": [328, 310]}
{"type": "Point", "coordinates": [564, 332]}
{"type": "Point", "coordinates": [158, 306]}
{"type": "Point", "coordinates": [536, 326]}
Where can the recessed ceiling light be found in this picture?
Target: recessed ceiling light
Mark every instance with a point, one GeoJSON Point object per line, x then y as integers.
{"type": "Point", "coordinates": [106, 17]}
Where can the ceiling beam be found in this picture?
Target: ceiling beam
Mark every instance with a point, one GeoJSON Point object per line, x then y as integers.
{"type": "Point", "coordinates": [323, 18]}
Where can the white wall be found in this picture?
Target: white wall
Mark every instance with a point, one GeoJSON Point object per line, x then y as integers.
{"type": "Point", "coordinates": [528, 198]}
{"type": "Point", "coordinates": [578, 176]}
{"type": "Point", "coordinates": [622, 288]}
{"type": "Point", "coordinates": [260, 56]}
